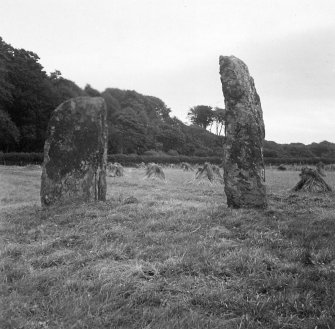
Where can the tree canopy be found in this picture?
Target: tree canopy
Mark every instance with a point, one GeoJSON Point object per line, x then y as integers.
{"type": "Point", "coordinates": [205, 116]}
{"type": "Point", "coordinates": [137, 123]}
{"type": "Point", "coordinates": [201, 115]}
{"type": "Point", "coordinates": [28, 96]}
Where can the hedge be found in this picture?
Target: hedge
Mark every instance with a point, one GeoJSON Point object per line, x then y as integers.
{"type": "Point", "coordinates": [300, 161]}
{"type": "Point", "coordinates": [21, 159]}
{"type": "Point", "coordinates": [131, 160]}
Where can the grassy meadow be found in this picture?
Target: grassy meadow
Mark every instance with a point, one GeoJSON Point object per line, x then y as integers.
{"type": "Point", "coordinates": [166, 255]}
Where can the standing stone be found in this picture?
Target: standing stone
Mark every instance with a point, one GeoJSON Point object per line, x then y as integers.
{"type": "Point", "coordinates": [75, 152]}
{"type": "Point", "coordinates": [245, 132]}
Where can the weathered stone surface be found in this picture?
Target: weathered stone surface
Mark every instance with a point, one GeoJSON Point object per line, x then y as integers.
{"type": "Point", "coordinates": [75, 152]}
{"type": "Point", "coordinates": [243, 159]}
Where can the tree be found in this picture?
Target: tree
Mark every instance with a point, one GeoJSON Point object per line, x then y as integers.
{"type": "Point", "coordinates": [6, 88]}
{"type": "Point", "coordinates": [322, 149]}
{"type": "Point", "coordinates": [201, 115]}
{"type": "Point", "coordinates": [136, 122]}
{"type": "Point", "coordinates": [171, 137]}
{"type": "Point", "coordinates": [127, 134]}
{"type": "Point", "coordinates": [113, 105]}
{"type": "Point", "coordinates": [32, 101]}
{"type": "Point", "coordinates": [63, 89]}
{"type": "Point", "coordinates": [219, 117]}
{"type": "Point", "coordinates": [9, 133]}
{"type": "Point", "coordinates": [28, 95]}
{"type": "Point", "coordinates": [91, 91]}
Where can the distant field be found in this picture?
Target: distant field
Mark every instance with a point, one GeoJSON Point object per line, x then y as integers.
{"type": "Point", "coordinates": [166, 255]}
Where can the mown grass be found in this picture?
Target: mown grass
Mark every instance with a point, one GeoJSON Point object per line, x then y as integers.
{"type": "Point", "coordinates": [166, 255]}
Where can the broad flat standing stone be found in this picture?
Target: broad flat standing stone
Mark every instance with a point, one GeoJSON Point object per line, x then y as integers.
{"type": "Point", "coordinates": [245, 132]}
{"type": "Point", "coordinates": [75, 152]}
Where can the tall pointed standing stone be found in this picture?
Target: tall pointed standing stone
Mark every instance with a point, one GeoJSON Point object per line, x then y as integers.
{"type": "Point", "coordinates": [245, 132]}
{"type": "Point", "coordinates": [75, 152]}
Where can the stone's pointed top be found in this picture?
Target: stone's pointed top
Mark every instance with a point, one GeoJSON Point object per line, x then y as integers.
{"type": "Point", "coordinates": [230, 58]}
{"type": "Point", "coordinates": [224, 57]}
{"type": "Point", "coordinates": [235, 78]}
{"type": "Point", "coordinates": [232, 61]}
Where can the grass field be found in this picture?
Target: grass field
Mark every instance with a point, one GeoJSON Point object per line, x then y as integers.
{"type": "Point", "coordinates": [166, 255]}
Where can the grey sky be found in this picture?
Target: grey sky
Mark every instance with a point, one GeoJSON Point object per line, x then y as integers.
{"type": "Point", "coordinates": [170, 49]}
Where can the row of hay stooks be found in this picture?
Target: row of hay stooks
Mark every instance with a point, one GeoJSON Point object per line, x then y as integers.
{"type": "Point", "coordinates": [311, 180]}
{"type": "Point", "coordinates": [207, 172]}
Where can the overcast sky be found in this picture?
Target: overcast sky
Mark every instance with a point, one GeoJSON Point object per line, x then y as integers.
{"type": "Point", "coordinates": [170, 49]}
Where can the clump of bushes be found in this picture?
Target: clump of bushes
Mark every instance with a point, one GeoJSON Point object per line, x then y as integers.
{"type": "Point", "coordinates": [151, 153]}
{"type": "Point", "coordinates": [173, 153]}
{"type": "Point", "coordinates": [131, 160]}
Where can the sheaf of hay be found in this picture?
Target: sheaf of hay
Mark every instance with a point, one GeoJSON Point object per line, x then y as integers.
{"type": "Point", "coordinates": [186, 166]}
{"type": "Point", "coordinates": [141, 165]}
{"type": "Point", "coordinates": [311, 181]}
{"type": "Point", "coordinates": [208, 174]}
{"type": "Point", "coordinates": [154, 171]}
{"type": "Point", "coordinates": [115, 170]}
{"type": "Point", "coordinates": [216, 171]}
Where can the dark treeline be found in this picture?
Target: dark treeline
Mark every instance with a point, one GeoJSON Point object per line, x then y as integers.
{"type": "Point", "coordinates": [298, 150]}
{"type": "Point", "coordinates": [141, 124]}
{"type": "Point", "coordinates": [27, 97]}
{"type": "Point", "coordinates": [138, 124]}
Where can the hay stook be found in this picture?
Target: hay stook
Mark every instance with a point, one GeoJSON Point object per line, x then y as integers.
{"type": "Point", "coordinates": [186, 166]}
{"type": "Point", "coordinates": [153, 170]}
{"type": "Point", "coordinates": [209, 173]}
{"type": "Point", "coordinates": [115, 170]}
{"type": "Point", "coordinates": [311, 181]}
{"type": "Point", "coordinates": [141, 165]}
